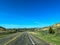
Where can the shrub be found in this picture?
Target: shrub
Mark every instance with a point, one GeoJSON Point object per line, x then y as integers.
{"type": "Point", "coordinates": [51, 31]}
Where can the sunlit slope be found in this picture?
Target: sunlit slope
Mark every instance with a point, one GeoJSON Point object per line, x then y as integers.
{"type": "Point", "coordinates": [54, 26]}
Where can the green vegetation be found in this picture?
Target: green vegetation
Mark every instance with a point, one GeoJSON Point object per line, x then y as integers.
{"type": "Point", "coordinates": [53, 39]}
{"type": "Point", "coordinates": [51, 31]}
{"type": "Point", "coordinates": [4, 32]}
{"type": "Point", "coordinates": [50, 34]}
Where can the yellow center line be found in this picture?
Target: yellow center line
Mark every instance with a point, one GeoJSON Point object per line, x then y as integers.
{"type": "Point", "coordinates": [11, 40]}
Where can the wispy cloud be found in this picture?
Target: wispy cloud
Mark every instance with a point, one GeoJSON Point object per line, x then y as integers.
{"type": "Point", "coordinates": [17, 26]}
{"type": "Point", "coordinates": [40, 24]}
{"type": "Point", "coordinates": [37, 24]}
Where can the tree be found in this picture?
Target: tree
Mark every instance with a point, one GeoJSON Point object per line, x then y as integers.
{"type": "Point", "coordinates": [51, 31]}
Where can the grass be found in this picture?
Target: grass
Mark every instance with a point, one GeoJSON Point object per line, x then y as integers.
{"type": "Point", "coordinates": [50, 38]}
{"type": "Point", "coordinates": [5, 34]}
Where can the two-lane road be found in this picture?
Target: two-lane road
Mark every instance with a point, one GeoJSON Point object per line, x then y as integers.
{"type": "Point", "coordinates": [7, 38]}
{"type": "Point", "coordinates": [21, 39]}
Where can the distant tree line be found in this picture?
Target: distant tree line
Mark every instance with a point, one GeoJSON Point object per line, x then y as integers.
{"type": "Point", "coordinates": [22, 29]}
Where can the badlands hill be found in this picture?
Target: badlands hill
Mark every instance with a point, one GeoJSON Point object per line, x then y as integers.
{"type": "Point", "coordinates": [54, 26]}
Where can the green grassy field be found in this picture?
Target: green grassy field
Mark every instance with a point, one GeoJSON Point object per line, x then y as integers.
{"type": "Point", "coordinates": [50, 38]}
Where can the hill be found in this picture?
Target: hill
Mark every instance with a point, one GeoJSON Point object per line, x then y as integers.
{"type": "Point", "coordinates": [2, 28]}
{"type": "Point", "coordinates": [54, 27]}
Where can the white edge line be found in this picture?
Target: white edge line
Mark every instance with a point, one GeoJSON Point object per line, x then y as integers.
{"type": "Point", "coordinates": [31, 40]}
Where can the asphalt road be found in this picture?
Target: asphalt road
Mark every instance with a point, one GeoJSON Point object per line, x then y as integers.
{"type": "Point", "coordinates": [21, 39]}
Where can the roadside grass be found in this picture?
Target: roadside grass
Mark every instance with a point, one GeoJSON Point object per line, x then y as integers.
{"type": "Point", "coordinates": [50, 38]}
{"type": "Point", "coordinates": [5, 34]}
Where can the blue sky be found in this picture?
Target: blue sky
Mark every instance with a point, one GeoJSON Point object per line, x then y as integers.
{"type": "Point", "coordinates": [29, 13]}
